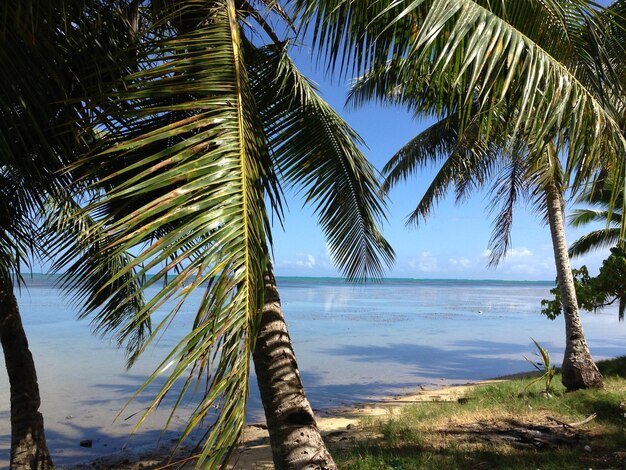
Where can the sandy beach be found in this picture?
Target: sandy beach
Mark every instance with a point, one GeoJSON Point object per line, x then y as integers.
{"type": "Point", "coordinates": [340, 427]}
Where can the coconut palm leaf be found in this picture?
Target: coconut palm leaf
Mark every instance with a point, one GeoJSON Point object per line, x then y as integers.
{"type": "Point", "coordinates": [191, 157]}
{"type": "Point", "coordinates": [430, 147]}
{"type": "Point", "coordinates": [602, 195]}
{"type": "Point", "coordinates": [85, 267]}
{"type": "Point", "coordinates": [396, 83]}
{"type": "Point", "coordinates": [580, 217]}
{"type": "Point", "coordinates": [507, 190]}
{"type": "Point", "coordinates": [316, 152]}
{"type": "Point", "coordinates": [486, 50]}
{"type": "Point", "coordinates": [411, 81]}
{"type": "Point", "coordinates": [18, 240]}
{"type": "Point", "coordinates": [66, 43]}
{"type": "Point", "coordinates": [594, 240]}
{"type": "Point", "coordinates": [467, 162]}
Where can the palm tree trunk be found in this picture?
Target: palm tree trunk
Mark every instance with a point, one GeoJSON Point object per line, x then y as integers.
{"type": "Point", "coordinates": [578, 369]}
{"type": "Point", "coordinates": [28, 442]}
{"type": "Point", "coordinates": [294, 436]}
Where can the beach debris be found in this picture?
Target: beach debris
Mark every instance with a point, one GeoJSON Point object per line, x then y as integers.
{"type": "Point", "coordinates": [572, 425]}
{"type": "Point", "coordinates": [86, 443]}
{"type": "Point", "coordinates": [518, 435]}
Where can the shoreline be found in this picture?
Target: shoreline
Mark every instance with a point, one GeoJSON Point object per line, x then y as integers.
{"type": "Point", "coordinates": [379, 341]}
{"type": "Point", "coordinates": [336, 425]}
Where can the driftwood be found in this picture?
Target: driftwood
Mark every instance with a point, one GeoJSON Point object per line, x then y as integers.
{"type": "Point", "coordinates": [518, 435]}
{"type": "Point", "coordinates": [571, 425]}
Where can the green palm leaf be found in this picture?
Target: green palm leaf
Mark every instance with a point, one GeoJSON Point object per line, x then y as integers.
{"type": "Point", "coordinates": [603, 195]}
{"type": "Point", "coordinates": [594, 240]}
{"type": "Point", "coordinates": [316, 151]}
{"type": "Point", "coordinates": [485, 50]}
{"type": "Point", "coordinates": [189, 192]}
{"type": "Point", "coordinates": [579, 217]}
{"type": "Point", "coordinates": [86, 266]}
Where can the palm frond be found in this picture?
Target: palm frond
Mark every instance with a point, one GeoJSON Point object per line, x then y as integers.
{"type": "Point", "coordinates": [485, 49]}
{"type": "Point", "coordinates": [595, 240]}
{"type": "Point", "coordinates": [466, 163]}
{"type": "Point", "coordinates": [183, 186]}
{"type": "Point", "coordinates": [579, 217]}
{"type": "Point", "coordinates": [316, 152]}
{"type": "Point", "coordinates": [85, 265]}
{"type": "Point", "coordinates": [395, 83]}
{"type": "Point", "coordinates": [429, 147]}
{"type": "Point", "coordinates": [511, 186]}
{"type": "Point", "coordinates": [18, 229]}
{"type": "Point", "coordinates": [605, 195]}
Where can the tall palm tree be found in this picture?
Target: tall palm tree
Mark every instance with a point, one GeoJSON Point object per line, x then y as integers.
{"type": "Point", "coordinates": [25, 131]}
{"type": "Point", "coordinates": [28, 442]}
{"type": "Point", "coordinates": [469, 165]}
{"type": "Point", "coordinates": [547, 70]}
{"type": "Point", "coordinates": [39, 136]}
{"type": "Point", "coordinates": [190, 154]}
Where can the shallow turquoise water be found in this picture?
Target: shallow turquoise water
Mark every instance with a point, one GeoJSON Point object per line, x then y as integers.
{"type": "Point", "coordinates": [353, 343]}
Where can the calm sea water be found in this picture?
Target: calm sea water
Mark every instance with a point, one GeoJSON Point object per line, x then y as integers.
{"type": "Point", "coordinates": [353, 343]}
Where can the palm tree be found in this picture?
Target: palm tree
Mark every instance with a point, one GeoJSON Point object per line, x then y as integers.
{"type": "Point", "coordinates": [38, 138]}
{"type": "Point", "coordinates": [191, 151]}
{"type": "Point", "coordinates": [25, 131]}
{"type": "Point", "coordinates": [28, 442]}
{"type": "Point", "coordinates": [533, 75]}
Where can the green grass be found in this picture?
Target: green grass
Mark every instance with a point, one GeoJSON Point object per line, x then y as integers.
{"type": "Point", "coordinates": [452, 435]}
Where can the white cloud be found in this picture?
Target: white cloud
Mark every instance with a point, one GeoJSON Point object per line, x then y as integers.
{"type": "Point", "coordinates": [523, 263]}
{"type": "Point", "coordinates": [522, 252]}
{"type": "Point", "coordinates": [460, 262]}
{"type": "Point", "coordinates": [305, 260]}
{"type": "Point", "coordinates": [426, 262]}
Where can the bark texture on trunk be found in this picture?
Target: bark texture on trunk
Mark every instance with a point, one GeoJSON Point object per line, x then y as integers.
{"type": "Point", "coordinates": [28, 443]}
{"type": "Point", "coordinates": [578, 369]}
{"type": "Point", "coordinates": [294, 435]}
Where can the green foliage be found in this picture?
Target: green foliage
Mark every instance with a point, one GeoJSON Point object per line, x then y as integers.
{"type": "Point", "coordinates": [544, 366]}
{"type": "Point", "coordinates": [603, 198]}
{"type": "Point", "coordinates": [592, 293]}
{"type": "Point", "coordinates": [614, 367]}
{"type": "Point", "coordinates": [486, 71]}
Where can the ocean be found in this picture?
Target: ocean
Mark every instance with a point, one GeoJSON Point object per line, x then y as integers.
{"type": "Point", "coordinates": [353, 344]}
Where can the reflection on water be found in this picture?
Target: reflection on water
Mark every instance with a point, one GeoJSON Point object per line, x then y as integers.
{"type": "Point", "coordinates": [353, 343]}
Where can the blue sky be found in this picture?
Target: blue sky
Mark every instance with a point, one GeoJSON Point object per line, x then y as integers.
{"type": "Point", "coordinates": [451, 244]}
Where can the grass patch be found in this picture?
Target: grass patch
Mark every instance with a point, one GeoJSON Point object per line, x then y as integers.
{"type": "Point", "coordinates": [501, 426]}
